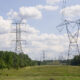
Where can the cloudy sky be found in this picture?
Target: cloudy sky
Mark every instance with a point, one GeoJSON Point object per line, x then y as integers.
{"type": "Point", "coordinates": [41, 18]}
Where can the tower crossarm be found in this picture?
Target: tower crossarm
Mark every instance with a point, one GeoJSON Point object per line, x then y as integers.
{"type": "Point", "coordinates": [73, 37]}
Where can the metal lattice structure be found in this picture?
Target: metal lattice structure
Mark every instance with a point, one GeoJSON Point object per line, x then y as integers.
{"type": "Point", "coordinates": [43, 55]}
{"type": "Point", "coordinates": [18, 48]}
{"type": "Point", "coordinates": [73, 36]}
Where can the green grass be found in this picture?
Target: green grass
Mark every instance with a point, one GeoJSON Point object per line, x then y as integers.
{"type": "Point", "coordinates": [42, 73]}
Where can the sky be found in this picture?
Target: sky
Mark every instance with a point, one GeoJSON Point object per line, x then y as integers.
{"type": "Point", "coordinates": [41, 18]}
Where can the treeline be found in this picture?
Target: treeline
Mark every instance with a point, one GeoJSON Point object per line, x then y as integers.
{"type": "Point", "coordinates": [13, 60]}
{"type": "Point", "coordinates": [76, 60]}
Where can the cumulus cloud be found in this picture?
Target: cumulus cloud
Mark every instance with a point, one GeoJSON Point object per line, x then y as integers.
{"type": "Point", "coordinates": [36, 42]}
{"type": "Point", "coordinates": [52, 1]}
{"type": "Point", "coordinates": [47, 7]}
{"type": "Point", "coordinates": [4, 25]}
{"type": "Point", "coordinates": [51, 43]}
{"type": "Point", "coordinates": [30, 12]}
{"type": "Point", "coordinates": [5, 41]}
{"type": "Point", "coordinates": [26, 13]}
{"type": "Point", "coordinates": [13, 14]}
{"type": "Point", "coordinates": [71, 12]}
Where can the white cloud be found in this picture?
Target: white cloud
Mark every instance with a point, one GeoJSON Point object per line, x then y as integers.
{"type": "Point", "coordinates": [13, 14]}
{"type": "Point", "coordinates": [4, 25]}
{"type": "Point", "coordinates": [26, 13]}
{"type": "Point", "coordinates": [36, 42]}
{"type": "Point", "coordinates": [71, 12]}
{"type": "Point", "coordinates": [47, 7]}
{"type": "Point", "coordinates": [52, 43]}
{"type": "Point", "coordinates": [52, 1]}
{"type": "Point", "coordinates": [30, 12]}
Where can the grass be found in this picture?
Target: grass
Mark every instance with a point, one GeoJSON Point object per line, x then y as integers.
{"type": "Point", "coordinates": [42, 73]}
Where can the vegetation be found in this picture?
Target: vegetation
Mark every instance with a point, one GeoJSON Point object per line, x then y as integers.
{"type": "Point", "coordinates": [42, 73]}
{"type": "Point", "coordinates": [76, 60]}
{"type": "Point", "coordinates": [13, 60]}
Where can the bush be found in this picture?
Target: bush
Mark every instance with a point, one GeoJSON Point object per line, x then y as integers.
{"type": "Point", "coordinates": [2, 64]}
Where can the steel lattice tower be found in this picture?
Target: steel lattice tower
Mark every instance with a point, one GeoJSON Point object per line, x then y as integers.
{"type": "Point", "coordinates": [18, 48]}
{"type": "Point", "coordinates": [73, 36]}
{"type": "Point", "coordinates": [43, 55]}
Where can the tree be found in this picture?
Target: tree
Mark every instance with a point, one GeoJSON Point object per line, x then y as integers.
{"type": "Point", "coordinates": [76, 60]}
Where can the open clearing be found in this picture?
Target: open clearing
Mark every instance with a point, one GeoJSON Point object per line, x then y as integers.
{"type": "Point", "coordinates": [42, 73]}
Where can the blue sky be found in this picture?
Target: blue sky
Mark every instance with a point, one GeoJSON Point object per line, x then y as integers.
{"type": "Point", "coordinates": [47, 24]}
{"type": "Point", "coordinates": [41, 22]}
{"type": "Point", "coordinates": [50, 18]}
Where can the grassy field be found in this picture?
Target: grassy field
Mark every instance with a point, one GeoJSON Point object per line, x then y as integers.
{"type": "Point", "coordinates": [42, 73]}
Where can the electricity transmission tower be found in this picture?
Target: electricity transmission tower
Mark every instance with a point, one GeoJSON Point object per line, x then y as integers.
{"type": "Point", "coordinates": [18, 48]}
{"type": "Point", "coordinates": [72, 35]}
{"type": "Point", "coordinates": [43, 55]}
